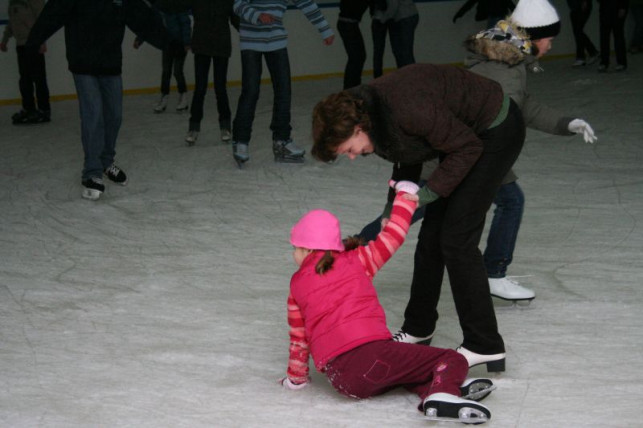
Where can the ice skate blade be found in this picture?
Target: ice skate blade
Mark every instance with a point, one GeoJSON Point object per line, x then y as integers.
{"type": "Point", "coordinates": [465, 415]}
{"type": "Point", "coordinates": [240, 162]}
{"type": "Point", "coordinates": [298, 159]}
{"type": "Point", "coordinates": [508, 299]}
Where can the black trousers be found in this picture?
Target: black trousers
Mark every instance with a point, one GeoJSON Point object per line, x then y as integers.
{"type": "Point", "coordinates": [355, 49]}
{"type": "Point", "coordinates": [172, 61]}
{"type": "Point", "coordinates": [579, 18]}
{"type": "Point", "coordinates": [449, 238]}
{"type": "Point", "coordinates": [611, 23]}
{"type": "Point", "coordinates": [33, 74]}
{"type": "Point", "coordinates": [402, 35]}
{"type": "Point", "coordinates": [220, 76]}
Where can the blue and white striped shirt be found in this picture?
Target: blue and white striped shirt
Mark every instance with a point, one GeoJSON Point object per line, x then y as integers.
{"type": "Point", "coordinates": [257, 36]}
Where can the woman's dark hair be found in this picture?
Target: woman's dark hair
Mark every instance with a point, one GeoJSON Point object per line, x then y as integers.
{"type": "Point", "coordinates": [326, 262]}
{"type": "Point", "coordinates": [334, 121]}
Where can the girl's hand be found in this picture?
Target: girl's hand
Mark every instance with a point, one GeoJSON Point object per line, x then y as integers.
{"type": "Point", "coordinates": [404, 186]}
{"type": "Point", "coordinates": [288, 384]}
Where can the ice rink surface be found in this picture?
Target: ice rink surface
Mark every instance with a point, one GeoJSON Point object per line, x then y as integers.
{"type": "Point", "coordinates": [163, 304]}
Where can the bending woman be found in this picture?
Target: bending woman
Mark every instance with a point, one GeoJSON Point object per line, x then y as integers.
{"type": "Point", "coordinates": [415, 114]}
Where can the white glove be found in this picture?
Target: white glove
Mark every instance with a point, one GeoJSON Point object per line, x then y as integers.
{"type": "Point", "coordinates": [579, 126]}
{"type": "Point", "coordinates": [288, 384]}
{"type": "Point", "coordinates": [404, 186]}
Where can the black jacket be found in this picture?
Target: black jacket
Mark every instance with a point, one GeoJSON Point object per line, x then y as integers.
{"type": "Point", "coordinates": [94, 31]}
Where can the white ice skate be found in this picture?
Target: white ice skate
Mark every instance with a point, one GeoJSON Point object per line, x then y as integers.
{"type": "Point", "coordinates": [449, 408]}
{"type": "Point", "coordinates": [476, 389]}
{"type": "Point", "coordinates": [182, 105]}
{"type": "Point", "coordinates": [508, 289]}
{"type": "Point", "coordinates": [404, 337]}
{"type": "Point", "coordinates": [161, 105]}
{"type": "Point", "coordinates": [494, 362]}
{"type": "Point", "coordinates": [191, 138]}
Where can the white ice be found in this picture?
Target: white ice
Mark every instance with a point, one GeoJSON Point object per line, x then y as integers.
{"type": "Point", "coordinates": [163, 303]}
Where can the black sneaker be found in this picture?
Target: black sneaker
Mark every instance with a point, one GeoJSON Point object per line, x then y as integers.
{"type": "Point", "coordinates": [116, 175]}
{"type": "Point", "coordinates": [24, 117]}
{"type": "Point", "coordinates": [93, 188]}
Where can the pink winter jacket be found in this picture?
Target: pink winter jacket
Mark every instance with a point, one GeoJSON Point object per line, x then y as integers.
{"type": "Point", "coordinates": [333, 313]}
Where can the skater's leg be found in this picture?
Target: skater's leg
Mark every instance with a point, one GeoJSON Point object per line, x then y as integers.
{"type": "Point", "coordinates": [90, 107]}
{"type": "Point", "coordinates": [112, 95]}
{"type": "Point", "coordinates": [462, 228]}
{"type": "Point", "coordinates": [619, 39]}
{"type": "Point", "coordinates": [201, 70]}
{"type": "Point", "coordinates": [279, 67]}
{"type": "Point", "coordinates": [355, 50]}
{"type": "Point", "coordinates": [421, 313]}
{"type": "Point", "coordinates": [251, 68]}
{"type": "Point", "coordinates": [221, 92]}
{"type": "Point", "coordinates": [25, 83]}
{"type": "Point", "coordinates": [39, 78]}
{"type": "Point", "coordinates": [402, 35]}
{"type": "Point", "coordinates": [605, 30]}
{"type": "Point", "coordinates": [166, 71]}
{"type": "Point", "coordinates": [179, 75]}
{"type": "Point", "coordinates": [378, 367]}
{"type": "Point", "coordinates": [378, 32]}
{"type": "Point", "coordinates": [501, 242]}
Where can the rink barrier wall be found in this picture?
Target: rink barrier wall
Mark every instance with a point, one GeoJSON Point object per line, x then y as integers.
{"type": "Point", "coordinates": [142, 67]}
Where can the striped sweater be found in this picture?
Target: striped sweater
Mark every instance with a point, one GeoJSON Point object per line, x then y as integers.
{"type": "Point", "coordinates": [329, 319]}
{"type": "Point", "coordinates": [257, 36]}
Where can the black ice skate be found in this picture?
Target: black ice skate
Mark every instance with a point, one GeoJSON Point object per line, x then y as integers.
{"type": "Point", "coordinates": [286, 151]}
{"type": "Point", "coordinates": [31, 117]}
{"type": "Point", "coordinates": [116, 175]}
{"type": "Point", "coordinates": [92, 188]}
{"type": "Point", "coordinates": [449, 408]}
{"type": "Point", "coordinates": [240, 153]}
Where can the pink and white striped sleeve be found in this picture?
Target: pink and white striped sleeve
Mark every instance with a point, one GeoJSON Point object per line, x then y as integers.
{"type": "Point", "coordinates": [299, 352]}
{"type": "Point", "coordinates": [377, 252]}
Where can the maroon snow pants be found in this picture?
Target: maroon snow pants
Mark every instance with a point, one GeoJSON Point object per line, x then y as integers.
{"type": "Point", "coordinates": [378, 367]}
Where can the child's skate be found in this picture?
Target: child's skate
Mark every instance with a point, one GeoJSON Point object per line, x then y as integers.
{"type": "Point", "coordinates": [476, 389]}
{"type": "Point", "coordinates": [449, 408]}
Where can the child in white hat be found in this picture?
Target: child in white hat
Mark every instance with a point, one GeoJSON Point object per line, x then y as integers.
{"type": "Point", "coordinates": [335, 316]}
{"type": "Point", "coordinates": [507, 53]}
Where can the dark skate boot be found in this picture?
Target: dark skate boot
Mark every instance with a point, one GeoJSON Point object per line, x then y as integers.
{"type": "Point", "coordinates": [286, 151]}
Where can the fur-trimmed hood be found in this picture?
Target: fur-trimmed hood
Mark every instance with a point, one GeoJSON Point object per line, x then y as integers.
{"type": "Point", "coordinates": [505, 43]}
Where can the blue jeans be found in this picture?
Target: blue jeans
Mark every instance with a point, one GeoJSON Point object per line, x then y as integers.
{"type": "Point", "coordinates": [501, 242]}
{"type": "Point", "coordinates": [220, 75]}
{"type": "Point", "coordinates": [100, 102]}
{"type": "Point", "coordinates": [279, 68]}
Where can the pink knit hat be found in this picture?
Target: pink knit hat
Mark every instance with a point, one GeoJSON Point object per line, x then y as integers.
{"type": "Point", "coordinates": [317, 230]}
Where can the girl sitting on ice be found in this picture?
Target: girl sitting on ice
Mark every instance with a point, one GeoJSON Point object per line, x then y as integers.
{"type": "Point", "coordinates": [335, 315]}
